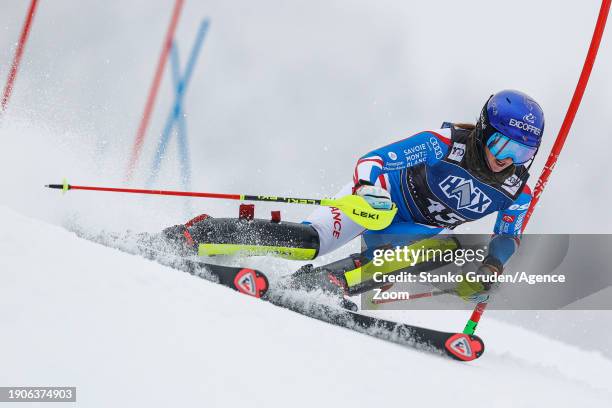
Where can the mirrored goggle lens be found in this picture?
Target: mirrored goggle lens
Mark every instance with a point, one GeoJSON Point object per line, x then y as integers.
{"type": "Point", "coordinates": [503, 147]}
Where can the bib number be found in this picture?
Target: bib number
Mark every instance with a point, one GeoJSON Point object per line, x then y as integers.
{"type": "Point", "coordinates": [443, 215]}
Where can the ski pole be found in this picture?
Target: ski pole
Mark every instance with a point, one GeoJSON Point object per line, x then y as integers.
{"type": "Point", "coordinates": [470, 327]}
{"type": "Point", "coordinates": [354, 207]}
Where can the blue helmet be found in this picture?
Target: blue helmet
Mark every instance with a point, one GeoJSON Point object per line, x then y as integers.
{"type": "Point", "coordinates": [516, 116]}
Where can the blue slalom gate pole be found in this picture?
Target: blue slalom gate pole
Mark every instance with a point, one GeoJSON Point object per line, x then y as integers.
{"type": "Point", "coordinates": [181, 131]}
{"type": "Point", "coordinates": [183, 141]}
{"type": "Point", "coordinates": [176, 111]}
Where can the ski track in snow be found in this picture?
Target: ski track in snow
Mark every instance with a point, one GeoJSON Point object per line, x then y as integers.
{"type": "Point", "coordinates": [128, 331]}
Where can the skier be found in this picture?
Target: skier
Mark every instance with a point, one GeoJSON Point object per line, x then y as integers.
{"type": "Point", "coordinates": [438, 179]}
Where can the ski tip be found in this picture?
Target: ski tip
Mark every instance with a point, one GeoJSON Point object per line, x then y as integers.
{"type": "Point", "coordinates": [464, 347]}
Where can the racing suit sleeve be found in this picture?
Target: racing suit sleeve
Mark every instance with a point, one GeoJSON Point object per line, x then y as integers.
{"type": "Point", "coordinates": [428, 146]}
{"type": "Point", "coordinates": [507, 231]}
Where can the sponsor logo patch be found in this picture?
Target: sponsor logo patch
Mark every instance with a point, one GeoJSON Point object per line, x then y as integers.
{"type": "Point", "coordinates": [524, 126]}
{"type": "Point", "coordinates": [457, 152]}
{"type": "Point", "coordinates": [435, 145]}
{"type": "Point", "coordinates": [519, 222]}
{"type": "Point", "coordinates": [461, 347]}
{"type": "Point", "coordinates": [519, 207]}
{"type": "Point", "coordinates": [529, 118]}
{"type": "Point", "coordinates": [245, 282]}
{"type": "Point", "coordinates": [337, 220]}
{"type": "Point", "coordinates": [392, 155]}
{"type": "Point", "coordinates": [508, 218]}
{"type": "Point", "coordinates": [416, 154]}
{"type": "Point", "coordinates": [467, 195]}
{"type": "Point", "coordinates": [511, 184]}
{"type": "Point", "coordinates": [250, 282]}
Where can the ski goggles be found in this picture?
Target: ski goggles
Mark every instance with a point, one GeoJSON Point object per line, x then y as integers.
{"type": "Point", "coordinates": [503, 147]}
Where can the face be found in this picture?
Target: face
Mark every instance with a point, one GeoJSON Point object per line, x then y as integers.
{"type": "Point", "coordinates": [497, 165]}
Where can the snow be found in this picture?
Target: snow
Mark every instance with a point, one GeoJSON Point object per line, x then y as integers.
{"type": "Point", "coordinates": [129, 332]}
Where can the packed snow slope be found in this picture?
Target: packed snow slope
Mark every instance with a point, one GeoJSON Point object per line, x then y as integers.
{"type": "Point", "coordinates": [129, 332]}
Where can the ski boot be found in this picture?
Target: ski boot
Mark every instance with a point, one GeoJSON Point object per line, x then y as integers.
{"type": "Point", "coordinates": [329, 278]}
{"type": "Point", "coordinates": [178, 238]}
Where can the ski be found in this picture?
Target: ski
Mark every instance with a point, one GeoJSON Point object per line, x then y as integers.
{"type": "Point", "coordinates": [255, 283]}
{"type": "Point", "coordinates": [459, 346]}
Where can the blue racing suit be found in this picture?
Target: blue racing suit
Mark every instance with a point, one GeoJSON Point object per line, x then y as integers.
{"type": "Point", "coordinates": [429, 181]}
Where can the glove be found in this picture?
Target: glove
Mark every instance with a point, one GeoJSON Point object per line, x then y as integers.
{"type": "Point", "coordinates": [475, 289]}
{"type": "Point", "coordinates": [377, 197]}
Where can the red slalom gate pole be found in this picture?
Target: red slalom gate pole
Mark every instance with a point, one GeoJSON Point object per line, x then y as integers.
{"type": "Point", "coordinates": [25, 31]}
{"type": "Point", "coordinates": [571, 110]}
{"type": "Point", "coordinates": [470, 327]}
{"type": "Point", "coordinates": [146, 116]}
